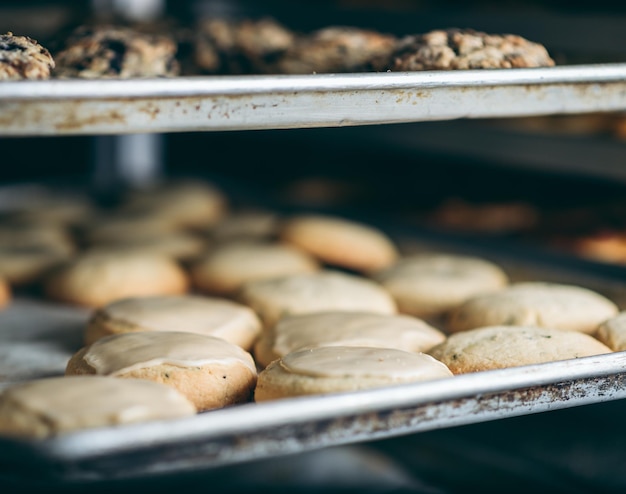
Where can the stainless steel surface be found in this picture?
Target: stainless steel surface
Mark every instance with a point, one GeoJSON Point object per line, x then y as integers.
{"type": "Point", "coordinates": [70, 107]}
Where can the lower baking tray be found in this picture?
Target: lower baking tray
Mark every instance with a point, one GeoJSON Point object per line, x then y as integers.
{"type": "Point", "coordinates": [37, 339]}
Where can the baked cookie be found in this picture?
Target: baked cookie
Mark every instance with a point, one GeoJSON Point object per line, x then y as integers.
{"type": "Point", "coordinates": [449, 49]}
{"type": "Point", "coordinates": [340, 242]}
{"type": "Point", "coordinates": [315, 292]}
{"type": "Point", "coordinates": [612, 332]}
{"type": "Point", "coordinates": [181, 246]}
{"type": "Point", "coordinates": [27, 265]}
{"type": "Point", "coordinates": [94, 52]}
{"type": "Point", "coordinates": [498, 347]}
{"type": "Point", "coordinates": [57, 405]}
{"type": "Point", "coordinates": [226, 268]}
{"type": "Point", "coordinates": [339, 369]}
{"type": "Point", "coordinates": [548, 305]}
{"type": "Point", "coordinates": [217, 317]}
{"type": "Point", "coordinates": [54, 208]}
{"type": "Point", "coordinates": [185, 204]}
{"type": "Point", "coordinates": [338, 49]}
{"type": "Point", "coordinates": [23, 58]}
{"type": "Point", "coordinates": [240, 46]}
{"type": "Point", "coordinates": [209, 371]}
{"type": "Point", "coordinates": [250, 225]}
{"type": "Point", "coordinates": [338, 328]}
{"type": "Point", "coordinates": [429, 284]}
{"type": "Point", "coordinates": [96, 279]}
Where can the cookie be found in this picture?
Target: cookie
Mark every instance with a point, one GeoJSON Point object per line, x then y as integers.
{"type": "Point", "coordinates": [217, 317]}
{"type": "Point", "coordinates": [23, 58]}
{"type": "Point", "coordinates": [429, 284]}
{"type": "Point", "coordinates": [340, 242]}
{"type": "Point", "coordinates": [498, 347]}
{"type": "Point", "coordinates": [249, 225]}
{"type": "Point", "coordinates": [185, 204]}
{"type": "Point", "coordinates": [210, 372]}
{"type": "Point", "coordinates": [338, 49]}
{"type": "Point", "coordinates": [612, 332]}
{"type": "Point", "coordinates": [337, 328]}
{"type": "Point", "coordinates": [95, 52]}
{"type": "Point", "coordinates": [549, 305]}
{"type": "Point", "coordinates": [93, 280]}
{"type": "Point", "coordinates": [450, 49]}
{"type": "Point", "coordinates": [226, 268]}
{"type": "Point", "coordinates": [181, 246]}
{"type": "Point", "coordinates": [338, 369]}
{"type": "Point", "coordinates": [240, 46]}
{"type": "Point", "coordinates": [27, 265]}
{"type": "Point", "coordinates": [326, 290]}
{"type": "Point", "coordinates": [58, 405]}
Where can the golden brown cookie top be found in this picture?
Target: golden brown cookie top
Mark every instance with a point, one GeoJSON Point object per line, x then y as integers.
{"type": "Point", "coordinates": [448, 49]}
{"type": "Point", "coordinates": [22, 57]}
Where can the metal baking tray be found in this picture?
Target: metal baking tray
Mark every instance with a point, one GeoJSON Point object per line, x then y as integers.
{"type": "Point", "coordinates": [37, 339]}
{"type": "Point", "coordinates": [74, 107]}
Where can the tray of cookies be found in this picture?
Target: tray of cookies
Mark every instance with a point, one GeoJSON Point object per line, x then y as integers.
{"type": "Point", "coordinates": [287, 331]}
{"type": "Point", "coordinates": [246, 74]}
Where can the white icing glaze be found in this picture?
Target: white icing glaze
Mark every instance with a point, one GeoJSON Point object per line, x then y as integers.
{"type": "Point", "coordinates": [119, 354]}
{"type": "Point", "coordinates": [362, 362]}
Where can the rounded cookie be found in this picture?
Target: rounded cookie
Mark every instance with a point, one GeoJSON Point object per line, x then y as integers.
{"type": "Point", "coordinates": [338, 49]}
{"type": "Point", "coordinates": [449, 49]}
{"type": "Point", "coordinates": [249, 225]}
{"type": "Point", "coordinates": [184, 204]}
{"type": "Point", "coordinates": [29, 264]}
{"type": "Point", "coordinates": [498, 347]}
{"type": "Point", "coordinates": [23, 58]}
{"type": "Point", "coordinates": [96, 279]}
{"type": "Point", "coordinates": [338, 369]}
{"type": "Point", "coordinates": [57, 405]}
{"type": "Point", "coordinates": [217, 317]}
{"type": "Point", "coordinates": [336, 328]}
{"type": "Point", "coordinates": [551, 305]}
{"type": "Point", "coordinates": [306, 293]}
{"type": "Point", "coordinates": [209, 371]}
{"type": "Point", "coordinates": [93, 52]}
{"type": "Point", "coordinates": [226, 268]}
{"type": "Point", "coordinates": [340, 242]}
{"type": "Point", "coordinates": [612, 332]}
{"type": "Point", "coordinates": [429, 284]}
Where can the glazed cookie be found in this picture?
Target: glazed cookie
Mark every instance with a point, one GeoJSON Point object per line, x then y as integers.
{"type": "Point", "coordinates": [224, 270]}
{"type": "Point", "coordinates": [339, 369]}
{"type": "Point", "coordinates": [96, 279]}
{"type": "Point", "coordinates": [93, 52]}
{"type": "Point", "coordinates": [613, 332]}
{"type": "Point", "coordinates": [316, 292]}
{"type": "Point", "coordinates": [345, 329]}
{"type": "Point", "coordinates": [338, 49]}
{"type": "Point", "coordinates": [498, 347]}
{"type": "Point", "coordinates": [340, 242]}
{"type": "Point", "coordinates": [53, 406]}
{"type": "Point", "coordinates": [185, 204]}
{"type": "Point", "coordinates": [468, 49]}
{"type": "Point", "coordinates": [209, 371]}
{"type": "Point", "coordinates": [429, 284]}
{"type": "Point", "coordinates": [23, 58]}
{"type": "Point", "coordinates": [548, 305]}
{"type": "Point", "coordinates": [217, 317]}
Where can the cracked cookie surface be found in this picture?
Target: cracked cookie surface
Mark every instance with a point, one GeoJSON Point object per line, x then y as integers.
{"type": "Point", "coordinates": [22, 57]}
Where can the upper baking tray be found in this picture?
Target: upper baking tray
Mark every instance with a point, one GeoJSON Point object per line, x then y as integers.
{"type": "Point", "coordinates": [38, 338]}
{"type": "Point", "coordinates": [75, 107]}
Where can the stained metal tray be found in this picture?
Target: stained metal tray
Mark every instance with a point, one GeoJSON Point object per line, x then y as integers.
{"type": "Point", "coordinates": [37, 339]}
{"type": "Point", "coordinates": [73, 107]}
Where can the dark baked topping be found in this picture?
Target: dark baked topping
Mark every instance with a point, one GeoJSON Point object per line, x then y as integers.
{"type": "Point", "coordinates": [23, 58]}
